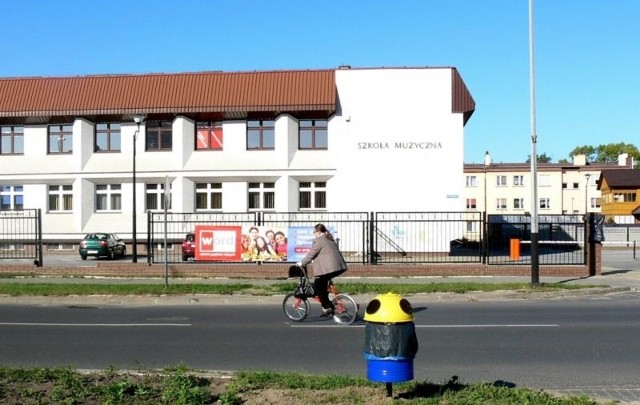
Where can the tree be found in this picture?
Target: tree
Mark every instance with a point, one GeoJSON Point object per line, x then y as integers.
{"type": "Point", "coordinates": [541, 158]}
{"type": "Point", "coordinates": [607, 153]}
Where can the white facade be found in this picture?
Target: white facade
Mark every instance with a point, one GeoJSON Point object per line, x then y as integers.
{"type": "Point", "coordinates": [505, 188]}
{"type": "Point", "coordinates": [393, 145]}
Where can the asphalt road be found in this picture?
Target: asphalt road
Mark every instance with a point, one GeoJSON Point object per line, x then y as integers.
{"type": "Point", "coordinates": [548, 344]}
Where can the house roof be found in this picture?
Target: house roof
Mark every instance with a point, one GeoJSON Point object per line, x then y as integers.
{"type": "Point", "coordinates": [620, 179]}
{"type": "Point", "coordinates": [230, 95]}
{"type": "Point", "coordinates": [37, 99]}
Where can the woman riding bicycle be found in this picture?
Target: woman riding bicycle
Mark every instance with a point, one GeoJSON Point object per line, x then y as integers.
{"type": "Point", "coordinates": [327, 264]}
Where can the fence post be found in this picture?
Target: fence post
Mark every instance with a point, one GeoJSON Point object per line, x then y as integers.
{"type": "Point", "coordinates": [372, 252]}
{"type": "Point", "coordinates": [483, 239]}
{"type": "Point", "coordinates": [39, 237]}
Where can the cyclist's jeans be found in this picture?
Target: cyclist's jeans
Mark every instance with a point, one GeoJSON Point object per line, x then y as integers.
{"type": "Point", "coordinates": [321, 284]}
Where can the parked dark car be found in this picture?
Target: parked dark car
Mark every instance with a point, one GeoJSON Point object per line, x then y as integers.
{"type": "Point", "coordinates": [189, 246]}
{"type": "Point", "coordinates": [102, 245]}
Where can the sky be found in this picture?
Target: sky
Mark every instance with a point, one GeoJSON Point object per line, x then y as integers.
{"type": "Point", "coordinates": [586, 63]}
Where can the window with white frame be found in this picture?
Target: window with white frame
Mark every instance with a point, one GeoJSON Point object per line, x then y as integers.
{"type": "Point", "coordinates": [472, 226]}
{"type": "Point", "coordinates": [595, 202]}
{"type": "Point", "coordinates": [208, 196]}
{"type": "Point", "coordinates": [471, 181]}
{"type": "Point", "coordinates": [544, 180]}
{"type": "Point", "coordinates": [501, 203]}
{"type": "Point", "coordinates": [107, 137]}
{"type": "Point", "coordinates": [12, 140]}
{"type": "Point", "coordinates": [108, 197]}
{"type": "Point", "coordinates": [262, 196]}
{"type": "Point", "coordinates": [518, 203]}
{"type": "Point", "coordinates": [11, 198]}
{"type": "Point", "coordinates": [545, 204]}
{"type": "Point", "coordinates": [60, 139]}
{"type": "Point", "coordinates": [209, 135]}
{"type": "Point", "coordinates": [312, 134]}
{"type": "Point", "coordinates": [518, 180]}
{"type": "Point", "coordinates": [501, 181]}
{"type": "Point", "coordinates": [60, 198]}
{"type": "Point", "coordinates": [471, 203]}
{"type": "Point", "coordinates": [155, 197]}
{"type": "Point", "coordinates": [313, 195]}
{"type": "Point", "coordinates": [261, 135]}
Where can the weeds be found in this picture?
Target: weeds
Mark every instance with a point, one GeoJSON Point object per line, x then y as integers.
{"type": "Point", "coordinates": [180, 386]}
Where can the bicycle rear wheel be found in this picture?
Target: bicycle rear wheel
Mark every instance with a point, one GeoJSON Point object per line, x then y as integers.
{"type": "Point", "coordinates": [295, 308]}
{"type": "Point", "coordinates": [345, 309]}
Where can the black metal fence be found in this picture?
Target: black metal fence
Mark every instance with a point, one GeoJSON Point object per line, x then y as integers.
{"type": "Point", "coordinates": [561, 239]}
{"type": "Point", "coordinates": [21, 235]}
{"type": "Point", "coordinates": [383, 237]}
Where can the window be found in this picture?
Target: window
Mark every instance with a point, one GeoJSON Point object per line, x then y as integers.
{"type": "Point", "coordinates": [262, 196]}
{"type": "Point", "coordinates": [60, 139]}
{"type": "Point", "coordinates": [11, 140]}
{"type": "Point", "coordinates": [11, 198]}
{"type": "Point", "coordinates": [471, 181]}
{"type": "Point", "coordinates": [544, 180]}
{"type": "Point", "coordinates": [107, 138]}
{"type": "Point", "coordinates": [472, 226]}
{"type": "Point", "coordinates": [576, 185]}
{"type": "Point", "coordinates": [471, 203]}
{"type": "Point", "coordinates": [544, 204]}
{"type": "Point", "coordinates": [312, 134]}
{"type": "Point", "coordinates": [209, 196]}
{"type": "Point", "coordinates": [518, 180]}
{"type": "Point", "coordinates": [564, 185]}
{"type": "Point", "coordinates": [501, 180]}
{"type": "Point", "coordinates": [61, 198]}
{"type": "Point", "coordinates": [313, 195]}
{"type": "Point", "coordinates": [108, 197]}
{"type": "Point", "coordinates": [518, 203]}
{"type": "Point", "coordinates": [209, 135]}
{"type": "Point", "coordinates": [260, 135]}
{"type": "Point", "coordinates": [159, 136]}
{"type": "Point", "coordinates": [595, 202]}
{"type": "Point", "coordinates": [155, 197]}
{"type": "Point", "coordinates": [501, 203]}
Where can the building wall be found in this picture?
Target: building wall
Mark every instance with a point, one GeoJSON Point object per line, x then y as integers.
{"type": "Point", "coordinates": [393, 141]}
{"type": "Point", "coordinates": [570, 189]}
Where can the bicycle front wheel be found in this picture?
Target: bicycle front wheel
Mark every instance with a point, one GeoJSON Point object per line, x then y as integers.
{"type": "Point", "coordinates": [295, 308]}
{"type": "Point", "coordinates": [345, 309]}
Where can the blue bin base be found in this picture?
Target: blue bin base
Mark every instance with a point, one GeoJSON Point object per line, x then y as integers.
{"type": "Point", "coordinates": [389, 371]}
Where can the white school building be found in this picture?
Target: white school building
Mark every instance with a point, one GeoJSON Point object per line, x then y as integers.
{"type": "Point", "coordinates": [335, 140]}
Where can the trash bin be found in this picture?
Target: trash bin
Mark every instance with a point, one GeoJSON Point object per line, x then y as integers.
{"type": "Point", "coordinates": [390, 340]}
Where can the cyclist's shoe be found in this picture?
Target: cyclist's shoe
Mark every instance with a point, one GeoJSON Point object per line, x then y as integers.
{"type": "Point", "coordinates": [326, 313]}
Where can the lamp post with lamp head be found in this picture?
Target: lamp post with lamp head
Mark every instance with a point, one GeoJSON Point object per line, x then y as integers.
{"type": "Point", "coordinates": [138, 119]}
{"type": "Point", "coordinates": [586, 194]}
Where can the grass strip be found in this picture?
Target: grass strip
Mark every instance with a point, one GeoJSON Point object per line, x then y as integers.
{"type": "Point", "coordinates": [89, 288]}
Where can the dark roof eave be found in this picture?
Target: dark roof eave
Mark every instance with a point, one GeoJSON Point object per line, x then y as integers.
{"type": "Point", "coordinates": [329, 108]}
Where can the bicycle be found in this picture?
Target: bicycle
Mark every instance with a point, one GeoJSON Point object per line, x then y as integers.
{"type": "Point", "coordinates": [296, 304]}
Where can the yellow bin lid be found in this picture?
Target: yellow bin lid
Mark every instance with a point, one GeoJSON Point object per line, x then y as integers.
{"type": "Point", "coordinates": [388, 308]}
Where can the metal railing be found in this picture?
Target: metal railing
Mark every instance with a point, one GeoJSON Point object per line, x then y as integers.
{"type": "Point", "coordinates": [21, 235]}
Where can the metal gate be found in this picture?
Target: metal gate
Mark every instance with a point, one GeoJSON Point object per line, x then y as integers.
{"type": "Point", "coordinates": [21, 235]}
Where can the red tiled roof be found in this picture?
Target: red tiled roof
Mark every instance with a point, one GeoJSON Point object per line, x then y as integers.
{"type": "Point", "coordinates": [304, 90]}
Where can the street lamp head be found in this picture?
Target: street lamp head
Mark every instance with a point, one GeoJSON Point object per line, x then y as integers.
{"type": "Point", "coordinates": [138, 119]}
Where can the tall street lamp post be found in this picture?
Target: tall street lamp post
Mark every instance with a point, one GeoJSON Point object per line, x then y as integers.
{"type": "Point", "coordinates": [138, 119]}
{"type": "Point", "coordinates": [586, 194]}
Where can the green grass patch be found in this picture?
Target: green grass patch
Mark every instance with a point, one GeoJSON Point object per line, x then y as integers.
{"type": "Point", "coordinates": [181, 386]}
{"type": "Point", "coordinates": [89, 288]}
